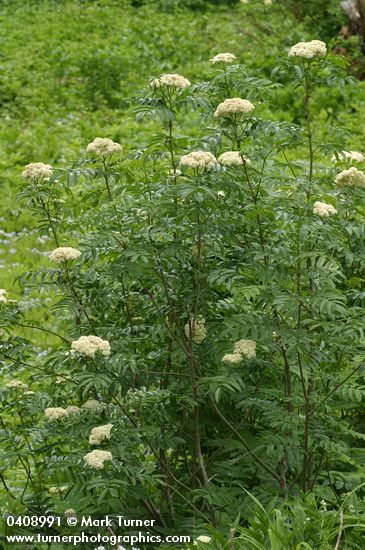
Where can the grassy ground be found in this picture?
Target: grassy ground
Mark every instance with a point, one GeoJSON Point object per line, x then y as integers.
{"type": "Point", "coordinates": [70, 71]}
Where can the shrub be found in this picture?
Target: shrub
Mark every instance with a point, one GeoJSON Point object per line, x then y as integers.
{"type": "Point", "coordinates": [211, 317]}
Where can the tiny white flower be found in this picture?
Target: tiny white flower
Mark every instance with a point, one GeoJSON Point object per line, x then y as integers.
{"type": "Point", "coordinates": [323, 209]}
{"type": "Point", "coordinates": [233, 158]}
{"type": "Point", "coordinates": [16, 385]}
{"type": "Point", "coordinates": [90, 345]}
{"type": "Point", "coordinates": [37, 171]}
{"type": "Point", "coordinates": [223, 58]}
{"type": "Point", "coordinates": [199, 160]}
{"type": "Point", "coordinates": [356, 156]}
{"type": "Point", "coordinates": [197, 329]}
{"type": "Point", "coordinates": [246, 348]}
{"type": "Point", "coordinates": [232, 358]}
{"type": "Point", "coordinates": [56, 413]}
{"type": "Point", "coordinates": [203, 538]}
{"type": "Point", "coordinates": [171, 81]}
{"type": "Point", "coordinates": [97, 458]}
{"type": "Point", "coordinates": [234, 106]}
{"type": "Point", "coordinates": [103, 147]}
{"type": "Point", "coordinates": [64, 254]}
{"type": "Point", "coordinates": [100, 433]}
{"type": "Point", "coordinates": [350, 178]}
{"type": "Point", "coordinates": [308, 50]}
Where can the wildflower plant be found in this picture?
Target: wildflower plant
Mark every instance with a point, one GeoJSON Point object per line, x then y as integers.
{"type": "Point", "coordinates": [211, 330]}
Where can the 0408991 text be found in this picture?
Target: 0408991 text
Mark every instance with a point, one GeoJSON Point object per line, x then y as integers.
{"type": "Point", "coordinates": [33, 521]}
{"type": "Point", "coordinates": [83, 521]}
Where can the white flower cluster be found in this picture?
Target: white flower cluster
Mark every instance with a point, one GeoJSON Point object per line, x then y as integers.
{"type": "Point", "coordinates": [308, 50]}
{"type": "Point", "coordinates": [3, 296]}
{"type": "Point", "coordinates": [16, 385]}
{"type": "Point", "coordinates": [247, 348]}
{"type": "Point", "coordinates": [323, 505]}
{"type": "Point", "coordinates": [232, 158]}
{"type": "Point", "coordinates": [172, 81]}
{"type": "Point", "coordinates": [197, 329]}
{"type": "Point", "coordinates": [223, 58]}
{"type": "Point", "coordinates": [203, 538]}
{"type": "Point", "coordinates": [242, 348]}
{"type": "Point", "coordinates": [58, 413]}
{"type": "Point", "coordinates": [55, 413]}
{"type": "Point", "coordinates": [234, 106]}
{"type": "Point", "coordinates": [348, 155]}
{"type": "Point", "coordinates": [93, 405]}
{"type": "Point", "coordinates": [350, 178]}
{"type": "Point", "coordinates": [323, 209]}
{"type": "Point", "coordinates": [57, 490]}
{"type": "Point", "coordinates": [37, 171]}
{"type": "Point", "coordinates": [232, 358]}
{"type": "Point", "coordinates": [70, 512]}
{"type": "Point", "coordinates": [72, 409]}
{"type": "Point", "coordinates": [104, 147]}
{"type": "Point", "coordinates": [90, 345]}
{"type": "Point", "coordinates": [64, 254]}
{"type": "Point", "coordinates": [96, 458]}
{"type": "Point", "coordinates": [199, 160]}
{"type": "Point", "coordinates": [100, 433]}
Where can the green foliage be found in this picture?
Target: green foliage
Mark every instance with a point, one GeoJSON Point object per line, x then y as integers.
{"type": "Point", "coordinates": [294, 526]}
{"type": "Point", "coordinates": [324, 19]}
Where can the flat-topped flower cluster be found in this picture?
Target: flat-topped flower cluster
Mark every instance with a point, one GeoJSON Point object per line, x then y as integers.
{"type": "Point", "coordinates": [323, 209]}
{"type": "Point", "coordinates": [89, 346]}
{"type": "Point", "coordinates": [97, 458]}
{"type": "Point", "coordinates": [350, 178]}
{"type": "Point", "coordinates": [172, 81]}
{"type": "Point", "coordinates": [233, 158]}
{"type": "Point", "coordinates": [199, 160]}
{"type": "Point", "coordinates": [196, 329]}
{"type": "Point", "coordinates": [241, 349]}
{"type": "Point", "coordinates": [223, 58]}
{"type": "Point", "coordinates": [37, 171]}
{"type": "Point", "coordinates": [3, 296]}
{"type": "Point", "coordinates": [308, 50]}
{"type": "Point", "coordinates": [234, 106]}
{"type": "Point", "coordinates": [64, 254]}
{"type": "Point", "coordinates": [100, 433]}
{"type": "Point", "coordinates": [104, 147]}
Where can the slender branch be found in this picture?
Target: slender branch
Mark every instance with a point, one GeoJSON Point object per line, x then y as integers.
{"type": "Point", "coordinates": [309, 131]}
{"type": "Point", "coordinates": [231, 538]}
{"type": "Point", "coordinates": [255, 201]}
{"type": "Point", "coordinates": [264, 466]}
{"type": "Point", "coordinates": [17, 361]}
{"type": "Point", "coordinates": [173, 335]}
{"type": "Point", "coordinates": [33, 327]}
{"type": "Point", "coordinates": [340, 531]}
{"type": "Point", "coordinates": [157, 456]}
{"type": "Point", "coordinates": [53, 229]}
{"type": "Point", "coordinates": [287, 377]}
{"type": "Point", "coordinates": [78, 299]}
{"type": "Point", "coordinates": [336, 388]}
{"type": "Point", "coordinates": [106, 179]}
{"type": "Point", "coordinates": [171, 148]}
{"type": "Point", "coordinates": [7, 489]}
